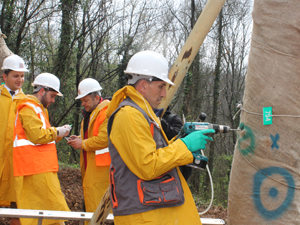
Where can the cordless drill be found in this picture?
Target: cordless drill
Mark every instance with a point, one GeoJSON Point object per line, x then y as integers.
{"type": "Point", "coordinates": [200, 161]}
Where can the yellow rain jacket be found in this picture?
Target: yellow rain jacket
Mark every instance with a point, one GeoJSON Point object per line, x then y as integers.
{"type": "Point", "coordinates": [145, 161]}
{"type": "Point", "coordinates": [95, 179]}
{"type": "Point", "coordinates": [40, 191]}
{"type": "Point", "coordinates": [7, 119]}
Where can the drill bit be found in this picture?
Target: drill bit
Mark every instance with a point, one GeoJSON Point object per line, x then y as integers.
{"type": "Point", "coordinates": [234, 129]}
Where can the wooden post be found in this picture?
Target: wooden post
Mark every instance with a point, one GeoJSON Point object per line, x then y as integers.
{"type": "Point", "coordinates": [102, 210]}
{"type": "Point", "coordinates": [191, 47]}
{"type": "Point", "coordinates": [4, 52]}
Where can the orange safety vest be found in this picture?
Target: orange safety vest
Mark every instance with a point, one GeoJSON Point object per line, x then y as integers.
{"type": "Point", "coordinates": [30, 158]}
{"type": "Point", "coordinates": [102, 157]}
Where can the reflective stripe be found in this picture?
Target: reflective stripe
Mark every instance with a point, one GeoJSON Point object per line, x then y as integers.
{"type": "Point", "coordinates": [36, 109]}
{"type": "Point", "coordinates": [43, 120]}
{"type": "Point", "coordinates": [39, 111]}
{"type": "Point", "coordinates": [16, 118]}
{"type": "Point", "coordinates": [91, 117]}
{"type": "Point", "coordinates": [102, 151]}
{"type": "Point", "coordinates": [24, 142]}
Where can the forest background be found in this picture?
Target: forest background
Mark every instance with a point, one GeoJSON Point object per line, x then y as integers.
{"type": "Point", "coordinates": [76, 39]}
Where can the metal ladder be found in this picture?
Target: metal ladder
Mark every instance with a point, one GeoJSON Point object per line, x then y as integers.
{"type": "Point", "coordinates": [65, 215]}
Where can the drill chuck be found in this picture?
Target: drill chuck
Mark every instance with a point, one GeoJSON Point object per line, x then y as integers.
{"type": "Point", "coordinates": [221, 128]}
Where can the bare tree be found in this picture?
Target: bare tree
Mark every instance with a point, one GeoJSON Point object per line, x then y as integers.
{"type": "Point", "coordinates": [16, 22]}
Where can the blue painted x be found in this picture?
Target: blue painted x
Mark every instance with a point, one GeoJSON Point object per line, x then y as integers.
{"type": "Point", "coordinates": [274, 140]}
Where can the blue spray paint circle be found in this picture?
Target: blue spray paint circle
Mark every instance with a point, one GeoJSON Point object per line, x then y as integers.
{"type": "Point", "coordinates": [259, 177]}
{"type": "Point", "coordinates": [249, 135]}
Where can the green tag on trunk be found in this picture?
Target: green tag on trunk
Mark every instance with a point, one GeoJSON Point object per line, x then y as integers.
{"type": "Point", "coordinates": [267, 113]}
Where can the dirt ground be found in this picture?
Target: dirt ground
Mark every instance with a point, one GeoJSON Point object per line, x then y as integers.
{"type": "Point", "coordinates": [70, 180]}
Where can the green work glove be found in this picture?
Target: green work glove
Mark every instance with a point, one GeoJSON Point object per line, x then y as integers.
{"type": "Point", "coordinates": [197, 140]}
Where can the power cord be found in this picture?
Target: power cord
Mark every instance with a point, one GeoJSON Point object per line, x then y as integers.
{"type": "Point", "coordinates": [212, 189]}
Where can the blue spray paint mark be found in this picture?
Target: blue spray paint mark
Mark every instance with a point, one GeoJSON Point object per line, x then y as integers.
{"type": "Point", "coordinates": [273, 192]}
{"type": "Point", "coordinates": [248, 136]}
{"type": "Point", "coordinates": [259, 177]}
{"type": "Point", "coordinates": [274, 140]}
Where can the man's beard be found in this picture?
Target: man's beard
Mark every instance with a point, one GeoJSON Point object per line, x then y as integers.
{"type": "Point", "coordinates": [44, 101]}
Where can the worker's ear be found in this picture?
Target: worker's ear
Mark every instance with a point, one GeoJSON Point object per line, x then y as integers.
{"type": "Point", "coordinates": [144, 85]}
{"type": "Point", "coordinates": [42, 91]}
{"type": "Point", "coordinates": [141, 86]}
{"type": "Point", "coordinates": [4, 77]}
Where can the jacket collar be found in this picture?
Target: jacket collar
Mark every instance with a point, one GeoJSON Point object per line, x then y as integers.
{"type": "Point", "coordinates": [4, 91]}
{"type": "Point", "coordinates": [33, 99]}
{"type": "Point", "coordinates": [130, 91]}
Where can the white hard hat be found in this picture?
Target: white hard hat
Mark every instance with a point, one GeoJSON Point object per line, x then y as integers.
{"type": "Point", "coordinates": [15, 63]}
{"type": "Point", "coordinates": [47, 80]}
{"type": "Point", "coordinates": [147, 64]}
{"type": "Point", "coordinates": [88, 86]}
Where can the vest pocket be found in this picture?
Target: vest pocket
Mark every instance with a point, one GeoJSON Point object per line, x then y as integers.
{"type": "Point", "coordinates": [162, 191]}
{"type": "Point", "coordinates": [150, 193]}
{"type": "Point", "coordinates": [170, 191]}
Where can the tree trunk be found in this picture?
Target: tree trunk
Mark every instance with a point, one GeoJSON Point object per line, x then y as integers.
{"type": "Point", "coordinates": [63, 53]}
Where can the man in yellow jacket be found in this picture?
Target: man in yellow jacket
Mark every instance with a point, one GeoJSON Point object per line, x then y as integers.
{"type": "Point", "coordinates": [10, 94]}
{"type": "Point", "coordinates": [34, 154]}
{"type": "Point", "coordinates": [94, 156]}
{"type": "Point", "coordinates": [146, 186]}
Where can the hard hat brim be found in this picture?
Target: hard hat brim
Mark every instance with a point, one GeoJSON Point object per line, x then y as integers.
{"type": "Point", "coordinates": [21, 70]}
{"type": "Point", "coordinates": [148, 75]}
{"type": "Point", "coordinates": [168, 81]}
{"type": "Point", "coordinates": [81, 96]}
{"type": "Point", "coordinates": [17, 70]}
{"type": "Point", "coordinates": [85, 94]}
{"type": "Point", "coordinates": [59, 94]}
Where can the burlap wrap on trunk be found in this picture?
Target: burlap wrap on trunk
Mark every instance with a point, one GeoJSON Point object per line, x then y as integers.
{"type": "Point", "coordinates": [264, 184]}
{"type": "Point", "coordinates": [4, 52]}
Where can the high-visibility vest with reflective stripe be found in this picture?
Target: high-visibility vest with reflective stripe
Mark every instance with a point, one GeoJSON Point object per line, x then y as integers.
{"type": "Point", "coordinates": [30, 158]}
{"type": "Point", "coordinates": [102, 156]}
